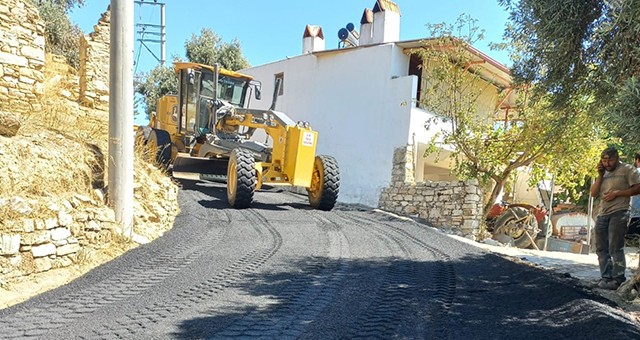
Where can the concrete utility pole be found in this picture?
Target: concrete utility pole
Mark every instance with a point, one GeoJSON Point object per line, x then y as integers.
{"type": "Point", "coordinates": [121, 114]}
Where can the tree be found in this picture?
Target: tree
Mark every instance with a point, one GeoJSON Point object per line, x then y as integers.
{"type": "Point", "coordinates": [205, 48]}
{"type": "Point", "coordinates": [591, 50]}
{"type": "Point", "coordinates": [208, 49]}
{"type": "Point", "coordinates": [61, 36]}
{"type": "Point", "coordinates": [586, 48]}
{"type": "Point", "coordinates": [65, 4]}
{"type": "Point", "coordinates": [155, 84]}
{"type": "Point", "coordinates": [533, 134]}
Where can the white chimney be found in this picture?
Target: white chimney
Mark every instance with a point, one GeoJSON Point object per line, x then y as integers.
{"type": "Point", "coordinates": [366, 27]}
{"type": "Point", "coordinates": [312, 39]}
{"type": "Point", "coordinates": [386, 22]}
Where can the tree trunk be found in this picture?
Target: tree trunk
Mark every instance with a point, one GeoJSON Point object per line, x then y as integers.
{"type": "Point", "coordinates": [497, 188]}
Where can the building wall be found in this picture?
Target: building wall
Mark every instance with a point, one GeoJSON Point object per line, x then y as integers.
{"type": "Point", "coordinates": [359, 100]}
{"type": "Point", "coordinates": [21, 57]}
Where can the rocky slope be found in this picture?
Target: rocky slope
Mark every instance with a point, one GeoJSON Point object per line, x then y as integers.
{"type": "Point", "coordinates": [54, 222]}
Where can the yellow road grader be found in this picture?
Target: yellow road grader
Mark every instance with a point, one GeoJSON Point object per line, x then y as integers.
{"type": "Point", "coordinates": [207, 128]}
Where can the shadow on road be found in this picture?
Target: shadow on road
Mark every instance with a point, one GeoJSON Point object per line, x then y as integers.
{"type": "Point", "coordinates": [217, 192]}
{"type": "Point", "coordinates": [493, 299]}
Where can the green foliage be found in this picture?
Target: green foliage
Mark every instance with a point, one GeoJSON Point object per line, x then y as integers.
{"type": "Point", "coordinates": [205, 48]}
{"type": "Point", "coordinates": [624, 112]}
{"type": "Point", "coordinates": [487, 146]}
{"type": "Point", "coordinates": [208, 49]}
{"type": "Point", "coordinates": [153, 85]}
{"type": "Point", "coordinates": [577, 49]}
{"type": "Point", "coordinates": [61, 36]}
{"type": "Point", "coordinates": [550, 40]}
{"type": "Point", "coordinates": [65, 4]}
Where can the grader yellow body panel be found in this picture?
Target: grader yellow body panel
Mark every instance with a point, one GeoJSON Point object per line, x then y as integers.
{"type": "Point", "coordinates": [166, 117]}
{"type": "Point", "coordinates": [300, 154]}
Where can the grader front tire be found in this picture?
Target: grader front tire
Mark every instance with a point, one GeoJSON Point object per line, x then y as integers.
{"type": "Point", "coordinates": [325, 183]}
{"type": "Point", "coordinates": [241, 179]}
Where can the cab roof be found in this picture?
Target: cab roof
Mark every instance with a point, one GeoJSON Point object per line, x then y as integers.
{"type": "Point", "coordinates": [184, 65]}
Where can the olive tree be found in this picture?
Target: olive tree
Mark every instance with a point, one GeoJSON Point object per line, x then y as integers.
{"type": "Point", "coordinates": [582, 49]}
{"type": "Point", "coordinates": [533, 134]}
{"type": "Point", "coordinates": [61, 36]}
{"type": "Point", "coordinates": [208, 48]}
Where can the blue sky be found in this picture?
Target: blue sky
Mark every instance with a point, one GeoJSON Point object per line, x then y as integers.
{"type": "Point", "coordinates": [272, 30]}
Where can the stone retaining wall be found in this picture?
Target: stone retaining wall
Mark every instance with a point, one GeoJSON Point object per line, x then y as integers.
{"type": "Point", "coordinates": [451, 204]}
{"type": "Point", "coordinates": [21, 57]}
{"type": "Point", "coordinates": [94, 64]}
{"type": "Point", "coordinates": [33, 245]}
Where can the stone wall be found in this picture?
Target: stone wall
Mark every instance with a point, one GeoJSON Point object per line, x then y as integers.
{"type": "Point", "coordinates": [452, 204]}
{"type": "Point", "coordinates": [21, 57]}
{"type": "Point", "coordinates": [33, 245]}
{"type": "Point", "coordinates": [403, 166]}
{"type": "Point", "coordinates": [94, 64]}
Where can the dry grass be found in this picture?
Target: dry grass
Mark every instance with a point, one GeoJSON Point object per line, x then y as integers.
{"type": "Point", "coordinates": [52, 156]}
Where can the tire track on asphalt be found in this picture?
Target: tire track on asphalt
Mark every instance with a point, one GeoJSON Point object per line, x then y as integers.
{"type": "Point", "coordinates": [39, 321]}
{"type": "Point", "coordinates": [143, 321]}
{"type": "Point", "coordinates": [444, 285]}
{"type": "Point", "coordinates": [393, 291]}
{"type": "Point", "coordinates": [305, 297]}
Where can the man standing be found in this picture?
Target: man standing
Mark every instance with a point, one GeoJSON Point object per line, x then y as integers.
{"type": "Point", "coordinates": [616, 182]}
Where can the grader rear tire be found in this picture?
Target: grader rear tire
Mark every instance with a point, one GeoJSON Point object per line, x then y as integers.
{"type": "Point", "coordinates": [241, 179]}
{"type": "Point", "coordinates": [325, 183]}
{"type": "Point", "coordinates": [159, 146]}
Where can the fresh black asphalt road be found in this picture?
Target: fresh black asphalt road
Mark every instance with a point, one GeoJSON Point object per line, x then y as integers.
{"type": "Point", "coordinates": [283, 271]}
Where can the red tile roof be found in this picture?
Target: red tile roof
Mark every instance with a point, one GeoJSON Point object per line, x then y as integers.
{"type": "Point", "coordinates": [313, 31]}
{"type": "Point", "coordinates": [386, 5]}
{"type": "Point", "coordinates": [367, 17]}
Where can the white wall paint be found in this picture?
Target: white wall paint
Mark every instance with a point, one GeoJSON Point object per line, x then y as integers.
{"type": "Point", "coordinates": [386, 27]}
{"type": "Point", "coordinates": [359, 100]}
{"type": "Point", "coordinates": [312, 44]}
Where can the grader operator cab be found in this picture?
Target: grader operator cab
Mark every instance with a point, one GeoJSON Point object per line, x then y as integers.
{"type": "Point", "coordinates": [207, 129]}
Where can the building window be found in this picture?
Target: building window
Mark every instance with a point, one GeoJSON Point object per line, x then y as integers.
{"type": "Point", "coordinates": [281, 77]}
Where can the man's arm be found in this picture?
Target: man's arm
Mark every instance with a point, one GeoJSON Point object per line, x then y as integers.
{"type": "Point", "coordinates": [595, 187]}
{"type": "Point", "coordinates": [631, 191]}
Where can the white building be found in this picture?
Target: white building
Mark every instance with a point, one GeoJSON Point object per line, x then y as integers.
{"type": "Point", "coordinates": [362, 100]}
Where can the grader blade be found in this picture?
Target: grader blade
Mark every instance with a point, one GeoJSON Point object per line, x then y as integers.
{"type": "Point", "coordinates": [205, 168]}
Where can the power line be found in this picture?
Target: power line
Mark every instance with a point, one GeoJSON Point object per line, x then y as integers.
{"type": "Point", "coordinates": [146, 29]}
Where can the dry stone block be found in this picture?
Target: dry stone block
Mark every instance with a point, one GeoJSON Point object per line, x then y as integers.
{"type": "Point", "coordinates": [28, 225]}
{"type": "Point", "coordinates": [68, 249]}
{"type": "Point", "coordinates": [51, 223]}
{"type": "Point", "coordinates": [61, 262]}
{"type": "Point", "coordinates": [9, 244]}
{"type": "Point", "coordinates": [36, 238]}
{"type": "Point", "coordinates": [43, 250]}
{"type": "Point", "coordinates": [12, 59]}
{"type": "Point", "coordinates": [9, 124]}
{"type": "Point", "coordinates": [64, 218]}
{"type": "Point", "coordinates": [42, 264]}
{"type": "Point", "coordinates": [59, 234]}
